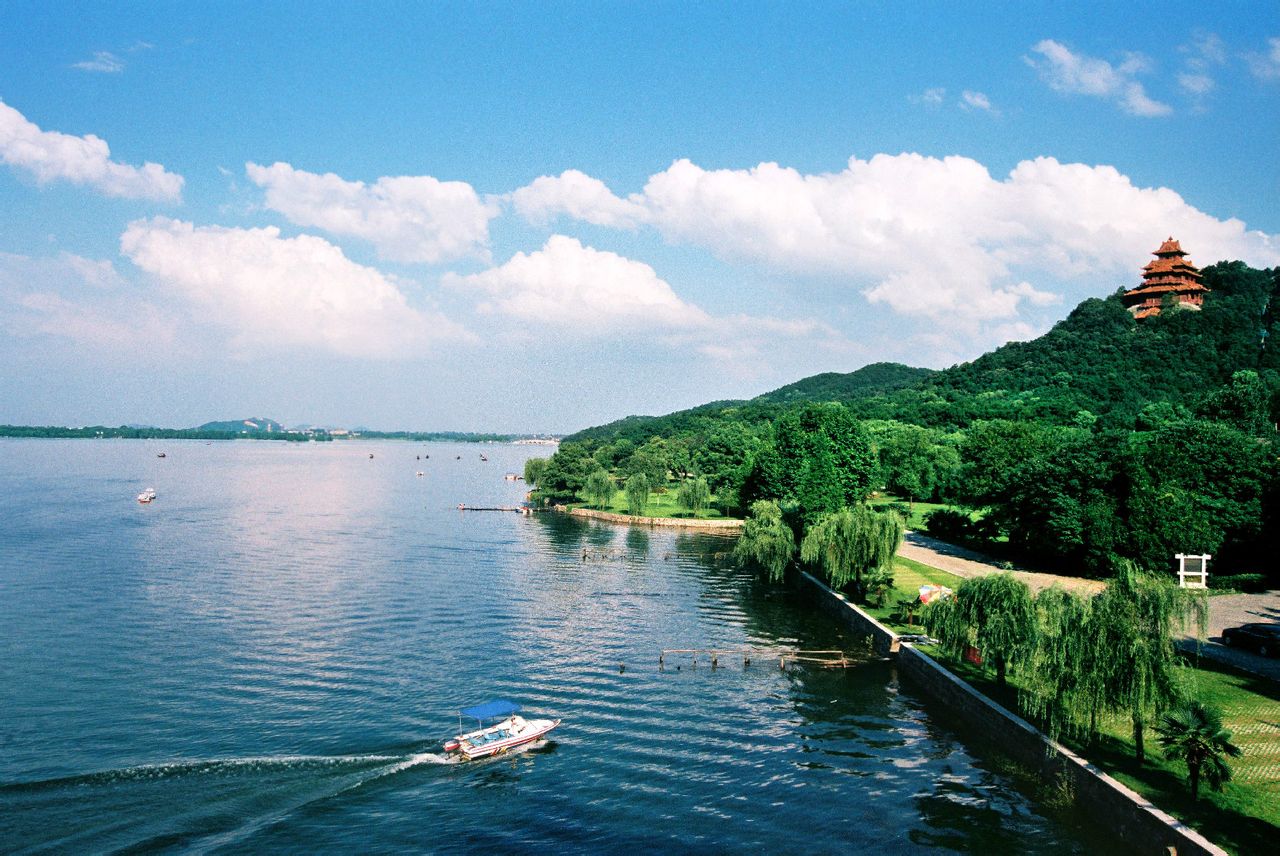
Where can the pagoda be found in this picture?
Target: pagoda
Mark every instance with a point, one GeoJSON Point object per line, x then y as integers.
{"type": "Point", "coordinates": [1170, 274]}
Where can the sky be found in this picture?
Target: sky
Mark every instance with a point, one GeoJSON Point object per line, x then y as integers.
{"type": "Point", "coordinates": [535, 217]}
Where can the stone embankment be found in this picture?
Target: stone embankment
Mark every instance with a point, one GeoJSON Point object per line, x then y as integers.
{"type": "Point", "coordinates": [1132, 817]}
{"type": "Point", "coordinates": [720, 526]}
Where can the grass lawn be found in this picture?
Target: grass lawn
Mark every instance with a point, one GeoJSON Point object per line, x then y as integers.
{"type": "Point", "coordinates": [908, 576]}
{"type": "Point", "coordinates": [1245, 817]}
{"type": "Point", "coordinates": [660, 505]}
{"type": "Point", "coordinates": [918, 510]}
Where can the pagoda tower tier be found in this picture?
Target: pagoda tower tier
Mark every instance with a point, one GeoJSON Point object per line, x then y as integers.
{"type": "Point", "coordinates": [1170, 274]}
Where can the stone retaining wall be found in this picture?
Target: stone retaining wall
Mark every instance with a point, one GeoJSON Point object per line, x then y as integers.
{"type": "Point", "coordinates": [720, 525]}
{"type": "Point", "coordinates": [1129, 815]}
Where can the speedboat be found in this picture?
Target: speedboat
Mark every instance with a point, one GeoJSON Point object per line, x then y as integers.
{"type": "Point", "coordinates": [510, 731]}
{"type": "Point", "coordinates": [147, 495]}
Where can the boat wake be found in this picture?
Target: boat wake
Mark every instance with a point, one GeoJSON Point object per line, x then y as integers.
{"type": "Point", "coordinates": [204, 804]}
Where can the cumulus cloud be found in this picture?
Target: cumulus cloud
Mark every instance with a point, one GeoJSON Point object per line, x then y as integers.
{"type": "Point", "coordinates": [53, 156]}
{"type": "Point", "coordinates": [592, 291]}
{"type": "Point", "coordinates": [577, 195]}
{"type": "Point", "coordinates": [940, 237]}
{"type": "Point", "coordinates": [1078, 74]}
{"type": "Point", "coordinates": [272, 291]}
{"type": "Point", "coordinates": [406, 218]}
{"type": "Point", "coordinates": [103, 62]}
{"type": "Point", "coordinates": [1266, 66]}
{"type": "Point", "coordinates": [971, 100]}
{"type": "Point", "coordinates": [579, 292]}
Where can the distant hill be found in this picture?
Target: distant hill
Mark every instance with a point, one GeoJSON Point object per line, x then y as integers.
{"type": "Point", "coordinates": [873, 380]}
{"type": "Point", "coordinates": [1097, 362]}
{"type": "Point", "coordinates": [253, 425]}
{"type": "Point", "coordinates": [833, 386]}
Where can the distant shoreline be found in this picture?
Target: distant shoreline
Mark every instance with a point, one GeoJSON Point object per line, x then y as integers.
{"type": "Point", "coordinates": [102, 432]}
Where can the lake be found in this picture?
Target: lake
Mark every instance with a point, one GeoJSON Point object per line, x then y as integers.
{"type": "Point", "coordinates": [267, 657]}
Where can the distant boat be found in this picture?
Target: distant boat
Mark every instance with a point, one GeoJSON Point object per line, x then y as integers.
{"type": "Point", "coordinates": [147, 495]}
{"type": "Point", "coordinates": [371, 454]}
{"type": "Point", "coordinates": [160, 454]}
{"type": "Point", "coordinates": [419, 473]}
{"type": "Point", "coordinates": [459, 458]}
{"type": "Point", "coordinates": [483, 458]}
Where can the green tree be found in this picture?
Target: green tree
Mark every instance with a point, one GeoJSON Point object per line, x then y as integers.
{"type": "Point", "coordinates": [693, 495]}
{"type": "Point", "coordinates": [994, 613]}
{"type": "Point", "coordinates": [766, 542]}
{"type": "Point", "coordinates": [566, 473]}
{"type": "Point", "coordinates": [852, 543]}
{"type": "Point", "coordinates": [1139, 617]}
{"type": "Point", "coordinates": [599, 489]}
{"type": "Point", "coordinates": [1245, 402]}
{"type": "Point", "coordinates": [652, 460]}
{"type": "Point", "coordinates": [637, 490]}
{"type": "Point", "coordinates": [533, 470]}
{"type": "Point", "coordinates": [1193, 734]}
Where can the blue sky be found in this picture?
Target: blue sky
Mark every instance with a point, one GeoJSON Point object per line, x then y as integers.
{"type": "Point", "coordinates": [543, 216]}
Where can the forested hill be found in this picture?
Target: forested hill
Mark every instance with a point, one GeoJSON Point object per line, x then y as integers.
{"type": "Point", "coordinates": [1099, 362]}
{"type": "Point", "coordinates": [876, 379]}
{"type": "Point", "coordinates": [866, 382]}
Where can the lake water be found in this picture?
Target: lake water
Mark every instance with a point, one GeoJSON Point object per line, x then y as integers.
{"type": "Point", "coordinates": [266, 658]}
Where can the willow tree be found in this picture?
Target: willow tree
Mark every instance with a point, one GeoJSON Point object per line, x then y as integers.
{"type": "Point", "coordinates": [851, 544]}
{"type": "Point", "coordinates": [994, 613]}
{"type": "Point", "coordinates": [1194, 734]}
{"type": "Point", "coordinates": [694, 495]}
{"type": "Point", "coordinates": [637, 489]}
{"type": "Point", "coordinates": [1138, 618]}
{"type": "Point", "coordinates": [599, 488]}
{"type": "Point", "coordinates": [766, 542]}
{"type": "Point", "coordinates": [533, 470]}
{"type": "Point", "coordinates": [1064, 683]}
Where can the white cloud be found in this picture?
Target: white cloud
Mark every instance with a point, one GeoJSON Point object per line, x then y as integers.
{"type": "Point", "coordinates": [971, 100]}
{"type": "Point", "coordinates": [593, 292]}
{"type": "Point", "coordinates": [406, 218]}
{"type": "Point", "coordinates": [577, 195]}
{"type": "Point", "coordinates": [1079, 74]}
{"type": "Point", "coordinates": [52, 156]}
{"type": "Point", "coordinates": [274, 292]}
{"type": "Point", "coordinates": [103, 62]}
{"type": "Point", "coordinates": [933, 96]}
{"type": "Point", "coordinates": [1196, 84]}
{"type": "Point", "coordinates": [1266, 66]}
{"type": "Point", "coordinates": [941, 238]}
{"type": "Point", "coordinates": [84, 301]}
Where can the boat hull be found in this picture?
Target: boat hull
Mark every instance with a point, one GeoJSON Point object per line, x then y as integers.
{"type": "Point", "coordinates": [469, 747]}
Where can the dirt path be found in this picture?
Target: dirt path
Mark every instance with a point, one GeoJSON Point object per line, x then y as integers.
{"type": "Point", "coordinates": [969, 564]}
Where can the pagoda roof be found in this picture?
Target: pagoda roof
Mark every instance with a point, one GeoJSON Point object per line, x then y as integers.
{"type": "Point", "coordinates": [1170, 247]}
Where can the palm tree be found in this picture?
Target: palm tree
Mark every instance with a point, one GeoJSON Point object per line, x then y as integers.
{"type": "Point", "coordinates": [1194, 733]}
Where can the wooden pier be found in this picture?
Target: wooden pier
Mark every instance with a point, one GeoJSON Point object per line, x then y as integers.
{"type": "Point", "coordinates": [518, 509]}
{"type": "Point", "coordinates": [831, 659]}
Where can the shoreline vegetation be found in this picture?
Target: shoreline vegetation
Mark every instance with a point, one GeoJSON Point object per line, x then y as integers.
{"type": "Point", "coordinates": [1097, 451]}
{"type": "Point", "coordinates": [319, 435]}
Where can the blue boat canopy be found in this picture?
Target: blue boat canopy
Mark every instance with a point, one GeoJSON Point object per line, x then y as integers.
{"type": "Point", "coordinates": [491, 709]}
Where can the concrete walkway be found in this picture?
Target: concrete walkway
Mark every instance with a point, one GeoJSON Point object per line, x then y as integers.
{"type": "Point", "coordinates": [1227, 610]}
{"type": "Point", "coordinates": [970, 564]}
{"type": "Point", "coordinates": [1232, 610]}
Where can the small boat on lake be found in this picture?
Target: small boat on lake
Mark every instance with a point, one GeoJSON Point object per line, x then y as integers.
{"type": "Point", "coordinates": [510, 731]}
{"type": "Point", "coordinates": [160, 454]}
{"type": "Point", "coordinates": [147, 495]}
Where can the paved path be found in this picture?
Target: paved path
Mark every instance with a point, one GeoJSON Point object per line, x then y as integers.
{"type": "Point", "coordinates": [1230, 610]}
{"type": "Point", "coordinates": [970, 564]}
{"type": "Point", "coordinates": [1227, 610]}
